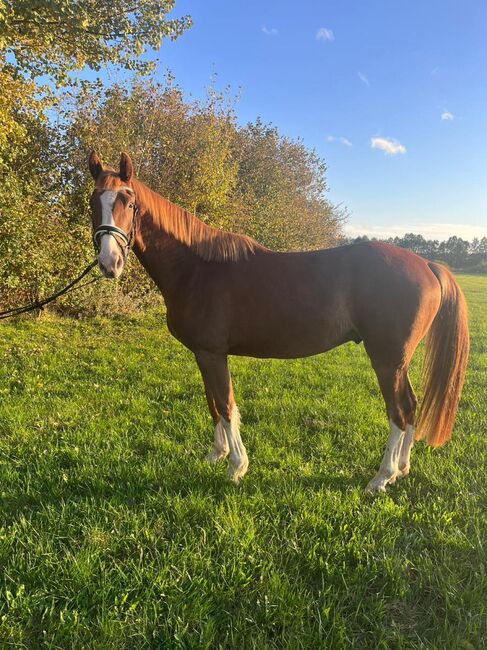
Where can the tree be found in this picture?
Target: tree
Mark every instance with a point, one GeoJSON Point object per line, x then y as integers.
{"type": "Point", "coordinates": [54, 38]}
{"type": "Point", "coordinates": [281, 191]}
{"type": "Point", "coordinates": [183, 150]}
{"type": "Point", "coordinates": [45, 42]}
{"type": "Point", "coordinates": [418, 244]}
{"type": "Point", "coordinates": [455, 251]}
{"type": "Point", "coordinates": [250, 179]}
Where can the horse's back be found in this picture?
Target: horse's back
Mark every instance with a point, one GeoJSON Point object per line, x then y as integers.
{"type": "Point", "coordinates": [298, 304]}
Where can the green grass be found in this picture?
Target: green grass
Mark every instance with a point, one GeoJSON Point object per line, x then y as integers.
{"type": "Point", "coordinates": [114, 533]}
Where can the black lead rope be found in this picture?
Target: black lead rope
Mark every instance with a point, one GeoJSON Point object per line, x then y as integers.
{"type": "Point", "coordinates": [115, 231]}
{"type": "Point", "coordinates": [39, 304]}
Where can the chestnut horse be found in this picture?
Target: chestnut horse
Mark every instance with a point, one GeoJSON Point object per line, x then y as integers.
{"type": "Point", "coordinates": [227, 294]}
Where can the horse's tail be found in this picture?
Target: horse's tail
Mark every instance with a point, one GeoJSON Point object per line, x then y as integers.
{"type": "Point", "coordinates": [445, 362]}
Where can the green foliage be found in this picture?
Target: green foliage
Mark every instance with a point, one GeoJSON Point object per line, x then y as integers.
{"type": "Point", "coordinates": [248, 179]}
{"type": "Point", "coordinates": [22, 123]}
{"type": "Point", "coordinates": [180, 149]}
{"type": "Point", "coordinates": [57, 37]}
{"type": "Point", "coordinates": [244, 179]}
{"type": "Point", "coordinates": [40, 243]}
{"type": "Point", "coordinates": [281, 190]}
{"type": "Point", "coordinates": [114, 532]}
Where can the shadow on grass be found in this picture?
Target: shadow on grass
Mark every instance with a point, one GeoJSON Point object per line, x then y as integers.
{"type": "Point", "coordinates": [152, 475]}
{"type": "Point", "coordinates": [132, 486]}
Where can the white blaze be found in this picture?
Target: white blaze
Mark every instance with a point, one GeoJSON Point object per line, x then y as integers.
{"type": "Point", "coordinates": [109, 249]}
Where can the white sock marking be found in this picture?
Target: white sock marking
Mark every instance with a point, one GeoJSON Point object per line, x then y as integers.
{"type": "Point", "coordinates": [220, 445]}
{"type": "Point", "coordinates": [405, 455]}
{"type": "Point", "coordinates": [389, 468]}
{"type": "Point", "coordinates": [239, 461]}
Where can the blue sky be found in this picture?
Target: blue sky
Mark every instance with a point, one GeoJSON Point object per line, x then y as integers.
{"type": "Point", "coordinates": [407, 76]}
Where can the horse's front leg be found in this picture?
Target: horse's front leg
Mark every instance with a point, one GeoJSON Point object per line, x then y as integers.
{"type": "Point", "coordinates": [219, 392]}
{"type": "Point", "coordinates": [220, 444]}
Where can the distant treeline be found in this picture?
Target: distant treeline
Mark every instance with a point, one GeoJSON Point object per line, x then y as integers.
{"type": "Point", "coordinates": [456, 252]}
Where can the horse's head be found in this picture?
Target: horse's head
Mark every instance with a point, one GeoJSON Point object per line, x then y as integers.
{"type": "Point", "coordinates": [113, 212]}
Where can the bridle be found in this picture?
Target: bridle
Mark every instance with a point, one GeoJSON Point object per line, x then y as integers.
{"type": "Point", "coordinates": [116, 232]}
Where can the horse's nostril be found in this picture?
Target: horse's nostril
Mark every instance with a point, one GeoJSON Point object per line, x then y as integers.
{"type": "Point", "coordinates": [105, 271]}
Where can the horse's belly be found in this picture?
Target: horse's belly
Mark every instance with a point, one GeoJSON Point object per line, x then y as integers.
{"type": "Point", "coordinates": [288, 341]}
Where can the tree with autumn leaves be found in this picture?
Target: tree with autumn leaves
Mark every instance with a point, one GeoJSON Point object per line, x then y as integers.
{"type": "Point", "coordinates": [248, 179]}
{"type": "Point", "coordinates": [42, 45]}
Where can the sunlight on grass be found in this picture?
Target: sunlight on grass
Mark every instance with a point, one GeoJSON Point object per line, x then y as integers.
{"type": "Point", "coordinates": [115, 533]}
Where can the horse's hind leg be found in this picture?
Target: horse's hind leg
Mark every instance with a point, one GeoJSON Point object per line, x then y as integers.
{"type": "Point", "coordinates": [389, 467]}
{"type": "Point", "coordinates": [218, 385]}
{"type": "Point", "coordinates": [405, 455]}
{"type": "Point", "coordinates": [408, 442]}
{"type": "Point", "coordinates": [400, 406]}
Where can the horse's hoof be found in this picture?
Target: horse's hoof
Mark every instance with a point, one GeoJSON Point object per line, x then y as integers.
{"type": "Point", "coordinates": [214, 456]}
{"type": "Point", "coordinates": [376, 485]}
{"type": "Point", "coordinates": [234, 474]}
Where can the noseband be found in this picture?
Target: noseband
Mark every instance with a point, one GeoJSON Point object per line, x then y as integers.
{"type": "Point", "coordinates": [117, 233]}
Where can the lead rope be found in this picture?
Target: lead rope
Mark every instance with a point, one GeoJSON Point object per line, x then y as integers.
{"type": "Point", "coordinates": [99, 232]}
{"type": "Point", "coordinates": [39, 304]}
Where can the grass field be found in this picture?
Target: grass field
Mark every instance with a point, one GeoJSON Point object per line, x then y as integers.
{"type": "Point", "coordinates": [114, 533]}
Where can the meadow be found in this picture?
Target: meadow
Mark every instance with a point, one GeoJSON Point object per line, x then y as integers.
{"type": "Point", "coordinates": [114, 532]}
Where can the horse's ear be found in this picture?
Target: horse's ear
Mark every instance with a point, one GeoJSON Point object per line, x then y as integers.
{"type": "Point", "coordinates": [95, 165]}
{"type": "Point", "coordinates": [126, 167]}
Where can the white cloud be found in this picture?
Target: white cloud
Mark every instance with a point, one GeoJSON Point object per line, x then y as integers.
{"type": "Point", "coordinates": [325, 34]}
{"type": "Point", "coordinates": [447, 116]}
{"type": "Point", "coordinates": [363, 78]}
{"type": "Point", "coordinates": [341, 139]}
{"type": "Point", "coordinates": [389, 146]}
{"type": "Point", "coordinates": [269, 31]}
{"type": "Point", "coordinates": [440, 231]}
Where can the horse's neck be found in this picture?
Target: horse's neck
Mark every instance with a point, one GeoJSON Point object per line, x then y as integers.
{"type": "Point", "coordinates": [167, 261]}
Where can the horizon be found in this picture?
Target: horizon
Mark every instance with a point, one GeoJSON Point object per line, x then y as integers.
{"type": "Point", "coordinates": [431, 232]}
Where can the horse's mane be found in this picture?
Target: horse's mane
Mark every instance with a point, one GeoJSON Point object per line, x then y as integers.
{"type": "Point", "coordinates": [207, 242]}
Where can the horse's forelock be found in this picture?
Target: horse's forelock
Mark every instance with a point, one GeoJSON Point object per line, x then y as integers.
{"type": "Point", "coordinates": [109, 179]}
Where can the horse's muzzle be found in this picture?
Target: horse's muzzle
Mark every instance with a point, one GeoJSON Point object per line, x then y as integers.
{"type": "Point", "coordinates": [111, 268]}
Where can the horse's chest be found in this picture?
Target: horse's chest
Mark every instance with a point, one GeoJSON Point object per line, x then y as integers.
{"type": "Point", "coordinates": [195, 329]}
{"type": "Point", "coordinates": [177, 327]}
